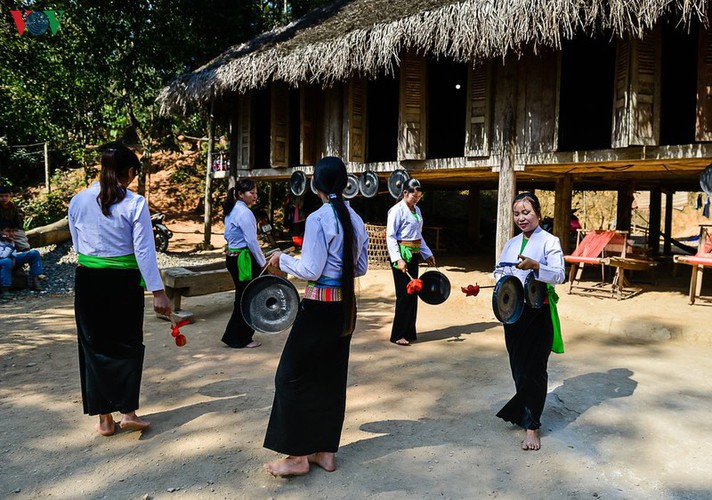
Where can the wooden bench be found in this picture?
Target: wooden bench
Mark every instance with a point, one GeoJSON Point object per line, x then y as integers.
{"type": "Point", "coordinates": [606, 248]}
{"type": "Point", "coordinates": [702, 259]}
{"type": "Point", "coordinates": [192, 281]}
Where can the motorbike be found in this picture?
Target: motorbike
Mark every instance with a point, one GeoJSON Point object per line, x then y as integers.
{"type": "Point", "coordinates": [161, 233]}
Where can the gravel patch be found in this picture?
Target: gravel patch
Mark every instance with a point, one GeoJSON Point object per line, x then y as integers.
{"type": "Point", "coordinates": [59, 262]}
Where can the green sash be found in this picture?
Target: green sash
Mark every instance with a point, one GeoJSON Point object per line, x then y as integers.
{"type": "Point", "coordinates": [120, 262]}
{"type": "Point", "coordinates": [406, 254]}
{"type": "Point", "coordinates": [557, 345]}
{"type": "Point", "coordinates": [244, 263]}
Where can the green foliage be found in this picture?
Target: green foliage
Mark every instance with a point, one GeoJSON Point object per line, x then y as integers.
{"type": "Point", "coordinates": [97, 79]}
{"type": "Point", "coordinates": [183, 173]}
{"type": "Point", "coordinates": [43, 210]}
{"type": "Point", "coordinates": [46, 208]}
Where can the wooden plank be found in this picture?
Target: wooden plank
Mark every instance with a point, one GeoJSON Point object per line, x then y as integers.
{"type": "Point", "coordinates": [307, 132]}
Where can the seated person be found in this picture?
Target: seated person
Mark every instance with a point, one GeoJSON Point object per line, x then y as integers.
{"type": "Point", "coordinates": [10, 257]}
{"type": "Point", "coordinates": [11, 215]}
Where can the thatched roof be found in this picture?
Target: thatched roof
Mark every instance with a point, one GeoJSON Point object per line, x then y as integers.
{"type": "Point", "coordinates": [365, 37]}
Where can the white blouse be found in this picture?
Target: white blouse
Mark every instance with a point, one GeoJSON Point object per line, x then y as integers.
{"type": "Point", "coordinates": [542, 247]}
{"type": "Point", "coordinates": [403, 226]}
{"type": "Point", "coordinates": [127, 231]}
{"type": "Point", "coordinates": [323, 246]}
{"type": "Point", "coordinates": [241, 231]}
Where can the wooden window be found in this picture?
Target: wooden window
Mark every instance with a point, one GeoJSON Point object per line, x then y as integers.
{"type": "Point", "coordinates": [636, 115]}
{"type": "Point", "coordinates": [479, 110]}
{"type": "Point", "coordinates": [279, 133]}
{"type": "Point", "coordinates": [412, 124]}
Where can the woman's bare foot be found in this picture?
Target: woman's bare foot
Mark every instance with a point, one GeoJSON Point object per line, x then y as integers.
{"type": "Point", "coordinates": [324, 459]}
{"type": "Point", "coordinates": [106, 425]}
{"type": "Point", "coordinates": [402, 342]}
{"type": "Point", "coordinates": [253, 344]}
{"type": "Point", "coordinates": [290, 466]}
{"type": "Point", "coordinates": [532, 440]}
{"type": "Point", "coordinates": [133, 422]}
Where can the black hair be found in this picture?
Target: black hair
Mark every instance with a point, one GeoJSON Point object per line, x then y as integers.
{"type": "Point", "coordinates": [241, 186]}
{"type": "Point", "coordinates": [532, 199]}
{"type": "Point", "coordinates": [411, 186]}
{"type": "Point", "coordinates": [116, 161]}
{"type": "Point", "coordinates": [4, 190]}
{"type": "Point", "coordinates": [330, 178]}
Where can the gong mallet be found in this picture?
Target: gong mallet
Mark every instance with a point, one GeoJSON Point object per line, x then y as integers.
{"type": "Point", "coordinates": [414, 285]}
{"type": "Point", "coordinates": [473, 290]}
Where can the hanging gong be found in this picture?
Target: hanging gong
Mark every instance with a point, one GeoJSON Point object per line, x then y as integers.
{"type": "Point", "coordinates": [298, 183]}
{"type": "Point", "coordinates": [436, 288]}
{"type": "Point", "coordinates": [351, 189]}
{"type": "Point", "coordinates": [269, 304]}
{"type": "Point", "coordinates": [534, 292]}
{"type": "Point", "coordinates": [311, 185]}
{"type": "Point", "coordinates": [508, 299]}
{"type": "Point", "coordinates": [396, 182]}
{"type": "Point", "coordinates": [368, 184]}
{"type": "Point", "coordinates": [706, 180]}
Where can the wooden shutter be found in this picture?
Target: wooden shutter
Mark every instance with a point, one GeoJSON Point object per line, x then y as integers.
{"type": "Point", "coordinates": [279, 148]}
{"type": "Point", "coordinates": [244, 133]}
{"type": "Point", "coordinates": [332, 121]}
{"type": "Point", "coordinates": [537, 107]}
{"type": "Point", "coordinates": [357, 120]}
{"type": "Point", "coordinates": [636, 113]}
{"type": "Point", "coordinates": [703, 127]}
{"type": "Point", "coordinates": [306, 135]}
{"type": "Point", "coordinates": [412, 125]}
{"type": "Point", "coordinates": [479, 110]}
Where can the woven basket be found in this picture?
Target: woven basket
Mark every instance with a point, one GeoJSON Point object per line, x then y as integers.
{"type": "Point", "coordinates": [377, 250]}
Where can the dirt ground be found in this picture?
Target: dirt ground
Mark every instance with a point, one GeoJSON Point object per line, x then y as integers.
{"type": "Point", "coordinates": [627, 414]}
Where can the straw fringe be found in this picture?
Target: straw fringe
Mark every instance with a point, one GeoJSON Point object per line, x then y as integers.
{"type": "Point", "coordinates": [365, 37]}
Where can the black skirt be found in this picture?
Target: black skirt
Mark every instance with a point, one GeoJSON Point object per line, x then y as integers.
{"type": "Point", "coordinates": [237, 332]}
{"type": "Point", "coordinates": [108, 306]}
{"type": "Point", "coordinates": [310, 385]}
{"type": "Point", "coordinates": [529, 345]}
{"type": "Point", "coordinates": [406, 304]}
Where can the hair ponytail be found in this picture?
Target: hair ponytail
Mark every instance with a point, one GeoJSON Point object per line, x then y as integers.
{"type": "Point", "coordinates": [348, 260]}
{"type": "Point", "coordinates": [330, 178]}
{"type": "Point", "coordinates": [116, 162]}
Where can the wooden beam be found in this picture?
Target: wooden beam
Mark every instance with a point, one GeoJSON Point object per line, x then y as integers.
{"type": "Point", "coordinates": [624, 210]}
{"type": "Point", "coordinates": [207, 214]}
{"type": "Point", "coordinates": [654, 222]}
{"type": "Point", "coordinates": [667, 246]}
{"type": "Point", "coordinates": [562, 211]}
{"type": "Point", "coordinates": [473, 216]}
{"type": "Point", "coordinates": [507, 180]}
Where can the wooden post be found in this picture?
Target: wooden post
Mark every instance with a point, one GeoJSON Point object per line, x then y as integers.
{"type": "Point", "coordinates": [234, 141]}
{"type": "Point", "coordinates": [48, 188]}
{"type": "Point", "coordinates": [507, 180]}
{"type": "Point", "coordinates": [208, 179]}
{"type": "Point", "coordinates": [625, 204]}
{"type": "Point", "coordinates": [654, 222]}
{"type": "Point", "coordinates": [667, 246]}
{"type": "Point", "coordinates": [473, 213]}
{"type": "Point", "coordinates": [562, 211]}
